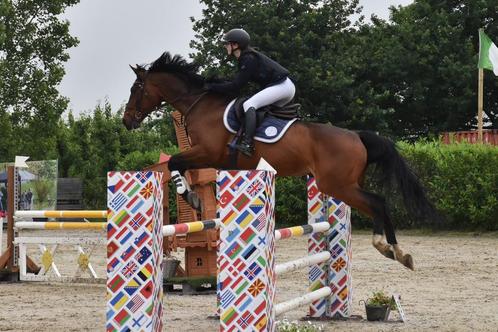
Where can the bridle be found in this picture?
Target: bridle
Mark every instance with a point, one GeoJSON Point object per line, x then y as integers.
{"type": "Point", "coordinates": [138, 103]}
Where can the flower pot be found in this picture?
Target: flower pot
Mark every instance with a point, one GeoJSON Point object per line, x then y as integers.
{"type": "Point", "coordinates": [377, 313]}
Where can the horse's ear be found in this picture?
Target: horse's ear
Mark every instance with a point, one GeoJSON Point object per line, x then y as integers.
{"type": "Point", "coordinates": [135, 69]}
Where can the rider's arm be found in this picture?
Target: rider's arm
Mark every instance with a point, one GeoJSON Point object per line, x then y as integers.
{"type": "Point", "coordinates": [247, 66]}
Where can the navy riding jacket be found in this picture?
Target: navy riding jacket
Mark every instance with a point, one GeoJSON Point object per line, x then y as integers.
{"type": "Point", "coordinates": [254, 67]}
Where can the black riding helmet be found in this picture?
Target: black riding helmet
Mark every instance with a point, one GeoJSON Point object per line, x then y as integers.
{"type": "Point", "coordinates": [239, 36]}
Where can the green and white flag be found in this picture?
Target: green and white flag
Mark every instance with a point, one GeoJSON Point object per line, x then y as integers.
{"type": "Point", "coordinates": [488, 53]}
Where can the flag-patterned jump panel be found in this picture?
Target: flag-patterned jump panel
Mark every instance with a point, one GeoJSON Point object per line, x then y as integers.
{"type": "Point", "coordinates": [336, 273]}
{"type": "Point", "coordinates": [134, 251]}
{"type": "Point", "coordinates": [339, 243]}
{"type": "Point", "coordinates": [246, 277]}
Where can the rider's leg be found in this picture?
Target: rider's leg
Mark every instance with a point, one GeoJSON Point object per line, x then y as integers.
{"type": "Point", "coordinates": [246, 146]}
{"type": "Point", "coordinates": [279, 94]}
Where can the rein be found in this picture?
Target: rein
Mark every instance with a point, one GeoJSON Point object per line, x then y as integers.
{"type": "Point", "coordinates": [183, 121]}
{"type": "Point", "coordinates": [191, 107]}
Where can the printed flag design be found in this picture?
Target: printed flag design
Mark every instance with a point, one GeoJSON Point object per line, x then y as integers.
{"type": "Point", "coordinates": [336, 273]}
{"type": "Point", "coordinates": [134, 251]}
{"type": "Point", "coordinates": [245, 261]}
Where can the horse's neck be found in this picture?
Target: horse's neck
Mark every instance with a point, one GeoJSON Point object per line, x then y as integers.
{"type": "Point", "coordinates": [187, 104]}
{"type": "Point", "coordinates": [209, 108]}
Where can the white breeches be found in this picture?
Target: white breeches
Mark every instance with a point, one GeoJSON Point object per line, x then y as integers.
{"type": "Point", "coordinates": [279, 94]}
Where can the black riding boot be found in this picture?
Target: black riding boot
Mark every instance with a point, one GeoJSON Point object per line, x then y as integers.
{"type": "Point", "coordinates": [246, 146]}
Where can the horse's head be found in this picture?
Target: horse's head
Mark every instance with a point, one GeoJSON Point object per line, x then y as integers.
{"type": "Point", "coordinates": [144, 98]}
{"type": "Point", "coordinates": [169, 79]}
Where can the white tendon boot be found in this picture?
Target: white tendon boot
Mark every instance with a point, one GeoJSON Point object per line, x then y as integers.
{"type": "Point", "coordinates": [182, 185]}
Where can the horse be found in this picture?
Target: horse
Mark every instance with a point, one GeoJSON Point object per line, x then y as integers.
{"type": "Point", "coordinates": [336, 157]}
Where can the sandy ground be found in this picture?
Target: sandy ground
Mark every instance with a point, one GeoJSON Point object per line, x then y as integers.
{"type": "Point", "coordinates": [455, 288]}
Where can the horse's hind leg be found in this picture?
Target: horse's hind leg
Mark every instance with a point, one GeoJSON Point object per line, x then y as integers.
{"type": "Point", "coordinates": [382, 220]}
{"type": "Point", "coordinates": [374, 206]}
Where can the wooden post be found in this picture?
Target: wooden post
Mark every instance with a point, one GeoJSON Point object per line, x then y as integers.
{"type": "Point", "coordinates": [480, 98]}
{"type": "Point", "coordinates": [7, 258]}
{"type": "Point", "coordinates": [10, 215]}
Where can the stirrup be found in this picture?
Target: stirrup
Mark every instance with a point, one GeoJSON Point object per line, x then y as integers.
{"type": "Point", "coordinates": [245, 148]}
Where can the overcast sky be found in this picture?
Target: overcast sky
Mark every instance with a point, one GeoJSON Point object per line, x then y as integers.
{"type": "Point", "coordinates": [115, 33]}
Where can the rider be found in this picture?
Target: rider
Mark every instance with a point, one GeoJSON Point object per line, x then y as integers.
{"type": "Point", "coordinates": [254, 66]}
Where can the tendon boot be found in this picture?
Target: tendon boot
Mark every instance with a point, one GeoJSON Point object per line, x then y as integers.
{"type": "Point", "coordinates": [181, 184]}
{"type": "Point", "coordinates": [246, 146]}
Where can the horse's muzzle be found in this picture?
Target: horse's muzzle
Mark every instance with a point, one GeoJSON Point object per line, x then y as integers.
{"type": "Point", "coordinates": [130, 123]}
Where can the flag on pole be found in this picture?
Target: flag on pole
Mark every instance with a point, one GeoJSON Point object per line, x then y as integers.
{"type": "Point", "coordinates": [488, 53]}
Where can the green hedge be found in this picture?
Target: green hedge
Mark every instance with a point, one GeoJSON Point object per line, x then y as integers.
{"type": "Point", "coordinates": [461, 179]}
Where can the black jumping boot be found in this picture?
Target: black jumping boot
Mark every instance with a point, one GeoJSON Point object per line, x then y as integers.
{"type": "Point", "coordinates": [246, 146]}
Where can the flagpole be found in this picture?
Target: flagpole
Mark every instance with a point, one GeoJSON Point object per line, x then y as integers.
{"type": "Point", "coordinates": [479, 105]}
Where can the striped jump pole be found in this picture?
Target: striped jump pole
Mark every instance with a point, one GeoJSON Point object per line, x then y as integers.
{"type": "Point", "coordinates": [61, 225]}
{"type": "Point", "coordinates": [285, 233]}
{"type": "Point", "coordinates": [191, 227]}
{"type": "Point", "coordinates": [134, 251]}
{"type": "Point", "coordinates": [302, 262]}
{"type": "Point", "coordinates": [336, 273]}
{"type": "Point", "coordinates": [311, 297]}
{"type": "Point", "coordinates": [88, 214]}
{"type": "Point", "coordinates": [167, 230]}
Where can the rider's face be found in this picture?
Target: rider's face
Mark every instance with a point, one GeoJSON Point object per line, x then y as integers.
{"type": "Point", "coordinates": [230, 47]}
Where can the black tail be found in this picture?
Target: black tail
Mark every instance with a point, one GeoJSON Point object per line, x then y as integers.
{"type": "Point", "coordinates": [391, 165]}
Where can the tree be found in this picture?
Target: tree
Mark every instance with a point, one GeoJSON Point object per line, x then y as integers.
{"type": "Point", "coordinates": [421, 67]}
{"type": "Point", "coordinates": [414, 75]}
{"type": "Point", "coordinates": [298, 34]}
{"type": "Point", "coordinates": [92, 144]}
{"type": "Point", "coordinates": [33, 44]}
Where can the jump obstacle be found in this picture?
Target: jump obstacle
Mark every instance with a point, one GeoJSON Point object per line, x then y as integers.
{"type": "Point", "coordinates": [238, 222]}
{"type": "Point", "coordinates": [246, 266]}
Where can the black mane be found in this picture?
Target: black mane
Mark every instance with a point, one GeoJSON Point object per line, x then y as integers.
{"type": "Point", "coordinates": [177, 65]}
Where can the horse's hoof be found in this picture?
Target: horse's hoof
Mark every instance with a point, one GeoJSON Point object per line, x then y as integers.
{"type": "Point", "coordinates": [408, 262]}
{"type": "Point", "coordinates": [389, 254]}
{"type": "Point", "coordinates": [194, 201]}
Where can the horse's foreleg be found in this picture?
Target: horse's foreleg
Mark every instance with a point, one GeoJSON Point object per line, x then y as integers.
{"type": "Point", "coordinates": [178, 164]}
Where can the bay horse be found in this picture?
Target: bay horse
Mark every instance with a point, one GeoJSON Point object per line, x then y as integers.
{"type": "Point", "coordinates": [336, 157]}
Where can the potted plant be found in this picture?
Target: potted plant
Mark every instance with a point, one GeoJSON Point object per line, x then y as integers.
{"type": "Point", "coordinates": [379, 306]}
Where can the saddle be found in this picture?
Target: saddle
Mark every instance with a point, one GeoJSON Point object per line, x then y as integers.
{"type": "Point", "coordinates": [286, 112]}
{"type": "Point", "coordinates": [272, 114]}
